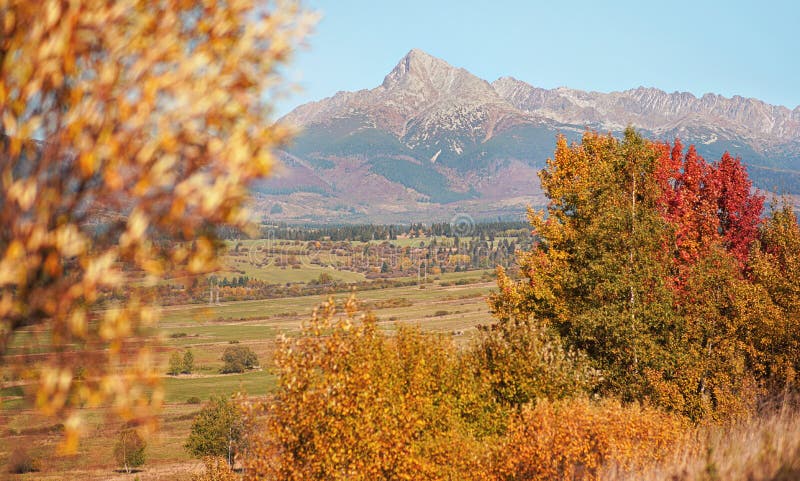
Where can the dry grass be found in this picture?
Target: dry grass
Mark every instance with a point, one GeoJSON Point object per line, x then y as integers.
{"type": "Point", "coordinates": [762, 448]}
{"type": "Point", "coordinates": [165, 456]}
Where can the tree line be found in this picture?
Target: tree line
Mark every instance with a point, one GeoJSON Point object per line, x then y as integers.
{"type": "Point", "coordinates": [373, 232]}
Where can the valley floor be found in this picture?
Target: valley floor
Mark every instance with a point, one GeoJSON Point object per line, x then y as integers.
{"type": "Point", "coordinates": [453, 310]}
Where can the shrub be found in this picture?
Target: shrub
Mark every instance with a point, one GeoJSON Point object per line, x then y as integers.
{"type": "Point", "coordinates": [387, 303]}
{"type": "Point", "coordinates": [441, 313]}
{"type": "Point", "coordinates": [765, 447]}
{"type": "Point", "coordinates": [21, 462]}
{"type": "Point", "coordinates": [177, 335]}
{"type": "Point", "coordinates": [238, 359]}
{"type": "Point", "coordinates": [193, 400]}
{"type": "Point", "coordinates": [217, 430]}
{"type": "Point", "coordinates": [129, 450]}
{"type": "Point", "coordinates": [355, 403]}
{"type": "Point", "coordinates": [524, 362]}
{"type": "Point", "coordinates": [215, 469]}
{"type": "Point", "coordinates": [573, 439]}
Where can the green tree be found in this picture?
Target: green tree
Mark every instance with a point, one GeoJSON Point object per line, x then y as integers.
{"type": "Point", "coordinates": [187, 366]}
{"type": "Point", "coordinates": [238, 359]}
{"type": "Point", "coordinates": [596, 276]}
{"type": "Point", "coordinates": [175, 364]}
{"type": "Point", "coordinates": [129, 451]}
{"type": "Point", "coordinates": [217, 430]}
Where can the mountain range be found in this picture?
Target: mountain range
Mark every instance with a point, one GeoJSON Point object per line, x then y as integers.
{"type": "Point", "coordinates": [433, 140]}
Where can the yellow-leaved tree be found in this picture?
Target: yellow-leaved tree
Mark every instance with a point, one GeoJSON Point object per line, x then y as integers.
{"type": "Point", "coordinates": [354, 403]}
{"type": "Point", "coordinates": [130, 130]}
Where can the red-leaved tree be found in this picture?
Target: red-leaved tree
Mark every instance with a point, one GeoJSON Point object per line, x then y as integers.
{"type": "Point", "coordinates": [739, 208]}
{"type": "Point", "coordinates": [707, 204]}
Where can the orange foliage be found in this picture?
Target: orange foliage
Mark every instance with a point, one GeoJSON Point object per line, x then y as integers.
{"type": "Point", "coordinates": [356, 404]}
{"type": "Point", "coordinates": [215, 469]}
{"type": "Point", "coordinates": [574, 439]}
{"type": "Point", "coordinates": [130, 129]}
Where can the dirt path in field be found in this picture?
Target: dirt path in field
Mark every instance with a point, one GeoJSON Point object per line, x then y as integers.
{"type": "Point", "coordinates": [178, 471]}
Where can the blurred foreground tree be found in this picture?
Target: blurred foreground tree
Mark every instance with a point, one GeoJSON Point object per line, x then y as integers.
{"type": "Point", "coordinates": [130, 130]}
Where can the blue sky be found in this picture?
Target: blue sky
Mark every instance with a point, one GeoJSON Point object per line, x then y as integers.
{"type": "Point", "coordinates": [732, 48]}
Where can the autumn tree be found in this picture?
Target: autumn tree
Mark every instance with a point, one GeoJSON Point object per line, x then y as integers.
{"type": "Point", "coordinates": [642, 265]}
{"type": "Point", "coordinates": [596, 276]}
{"type": "Point", "coordinates": [706, 204]}
{"type": "Point", "coordinates": [775, 266]}
{"type": "Point", "coordinates": [714, 216]}
{"type": "Point", "coordinates": [130, 129]}
{"type": "Point", "coordinates": [353, 403]}
{"type": "Point", "coordinates": [719, 321]}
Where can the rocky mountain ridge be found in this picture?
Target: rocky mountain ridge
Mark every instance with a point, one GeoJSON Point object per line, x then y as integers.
{"type": "Point", "coordinates": [657, 111]}
{"type": "Point", "coordinates": [433, 139]}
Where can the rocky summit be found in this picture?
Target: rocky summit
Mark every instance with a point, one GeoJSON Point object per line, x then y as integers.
{"type": "Point", "coordinates": [433, 140]}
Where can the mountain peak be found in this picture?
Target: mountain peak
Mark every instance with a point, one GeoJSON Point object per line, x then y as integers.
{"type": "Point", "coordinates": [420, 54]}
{"type": "Point", "coordinates": [417, 64]}
{"type": "Point", "coordinates": [434, 134]}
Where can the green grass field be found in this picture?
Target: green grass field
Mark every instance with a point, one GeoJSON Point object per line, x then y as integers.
{"type": "Point", "coordinates": [180, 389]}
